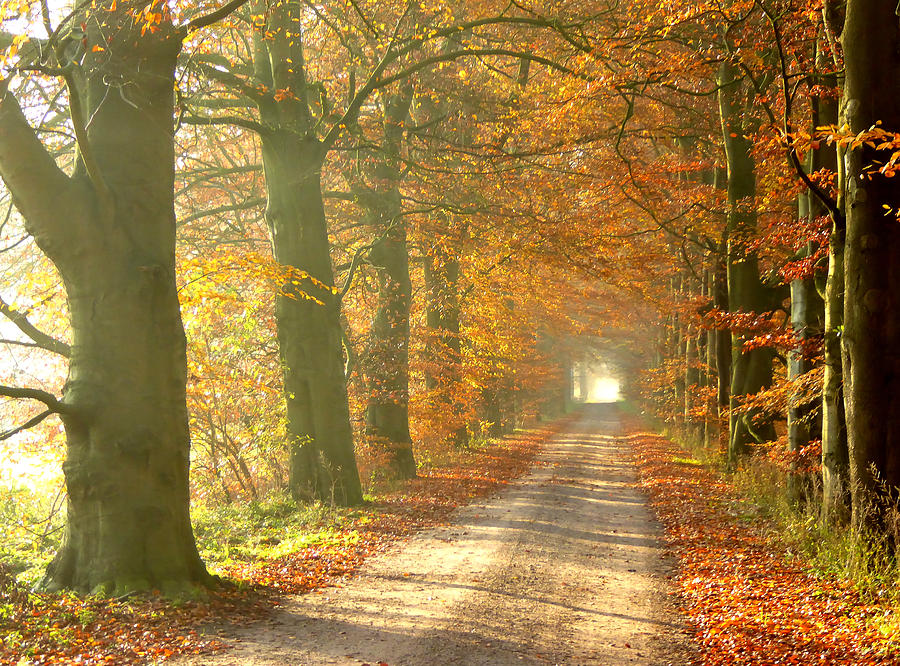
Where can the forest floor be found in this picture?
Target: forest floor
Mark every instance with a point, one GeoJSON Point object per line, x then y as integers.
{"type": "Point", "coordinates": [615, 547]}
{"type": "Point", "coordinates": [564, 566]}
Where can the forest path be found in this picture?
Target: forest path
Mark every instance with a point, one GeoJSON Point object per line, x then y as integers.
{"type": "Point", "coordinates": [562, 567]}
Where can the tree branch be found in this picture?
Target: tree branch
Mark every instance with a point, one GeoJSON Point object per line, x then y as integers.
{"type": "Point", "coordinates": [376, 82]}
{"type": "Point", "coordinates": [351, 272]}
{"type": "Point", "coordinates": [79, 124]}
{"type": "Point", "coordinates": [228, 208]}
{"type": "Point", "coordinates": [229, 79]}
{"type": "Point", "coordinates": [41, 339]}
{"type": "Point", "coordinates": [52, 402]}
{"type": "Point", "coordinates": [463, 53]}
{"type": "Point", "coordinates": [213, 17]}
{"type": "Point", "coordinates": [30, 423]}
{"type": "Point", "coordinates": [28, 170]}
{"type": "Point", "coordinates": [250, 125]}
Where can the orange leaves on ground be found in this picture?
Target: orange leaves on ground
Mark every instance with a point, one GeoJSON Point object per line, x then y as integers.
{"type": "Point", "coordinates": [62, 629]}
{"type": "Point", "coordinates": [48, 629]}
{"type": "Point", "coordinates": [746, 600]}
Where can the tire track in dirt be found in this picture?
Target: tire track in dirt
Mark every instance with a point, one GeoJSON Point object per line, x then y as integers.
{"type": "Point", "coordinates": [562, 567]}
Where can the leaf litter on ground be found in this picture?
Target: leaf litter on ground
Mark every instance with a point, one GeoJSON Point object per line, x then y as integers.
{"type": "Point", "coordinates": [747, 600]}
{"type": "Point", "coordinates": [38, 628]}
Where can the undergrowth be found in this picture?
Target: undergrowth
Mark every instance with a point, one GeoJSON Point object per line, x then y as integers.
{"type": "Point", "coordinates": [268, 528]}
{"type": "Point", "coordinates": [31, 527]}
{"type": "Point", "coordinates": [860, 556]}
{"type": "Point", "coordinates": [865, 559]}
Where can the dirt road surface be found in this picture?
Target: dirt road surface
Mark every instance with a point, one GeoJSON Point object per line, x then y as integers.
{"type": "Point", "coordinates": [562, 567]}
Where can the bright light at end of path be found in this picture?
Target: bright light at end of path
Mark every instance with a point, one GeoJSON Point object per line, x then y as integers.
{"type": "Point", "coordinates": [604, 389]}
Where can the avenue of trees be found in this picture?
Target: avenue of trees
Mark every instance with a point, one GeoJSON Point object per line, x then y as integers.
{"type": "Point", "coordinates": [287, 245]}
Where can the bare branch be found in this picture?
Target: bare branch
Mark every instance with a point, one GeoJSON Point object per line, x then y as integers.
{"type": "Point", "coordinates": [213, 17]}
{"type": "Point", "coordinates": [243, 205]}
{"type": "Point", "coordinates": [40, 338]}
{"type": "Point", "coordinates": [250, 125]}
{"type": "Point", "coordinates": [52, 402]}
{"type": "Point", "coordinates": [30, 423]}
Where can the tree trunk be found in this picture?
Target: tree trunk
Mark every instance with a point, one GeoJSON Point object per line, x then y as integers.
{"type": "Point", "coordinates": [835, 456]}
{"type": "Point", "coordinates": [751, 371]}
{"type": "Point", "coordinates": [323, 464]}
{"type": "Point", "coordinates": [718, 357]}
{"type": "Point", "coordinates": [806, 321]}
{"type": "Point", "coordinates": [678, 355]}
{"type": "Point", "coordinates": [691, 382]}
{"type": "Point", "coordinates": [387, 411]}
{"type": "Point", "coordinates": [442, 317]}
{"type": "Point", "coordinates": [723, 341]}
{"type": "Point", "coordinates": [871, 339]}
{"type": "Point", "coordinates": [807, 314]}
{"type": "Point", "coordinates": [110, 230]}
{"type": "Point", "coordinates": [807, 308]}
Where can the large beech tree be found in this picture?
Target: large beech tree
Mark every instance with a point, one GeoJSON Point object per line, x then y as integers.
{"type": "Point", "coordinates": [871, 339]}
{"type": "Point", "coordinates": [109, 228]}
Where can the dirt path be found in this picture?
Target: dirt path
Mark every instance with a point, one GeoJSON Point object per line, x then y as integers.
{"type": "Point", "coordinates": [563, 567]}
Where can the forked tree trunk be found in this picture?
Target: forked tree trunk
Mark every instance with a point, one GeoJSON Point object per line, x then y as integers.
{"type": "Point", "coordinates": [871, 339]}
{"type": "Point", "coordinates": [323, 462]}
{"type": "Point", "coordinates": [112, 237]}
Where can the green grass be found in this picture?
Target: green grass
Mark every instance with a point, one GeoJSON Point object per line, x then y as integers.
{"type": "Point", "coordinates": [265, 529]}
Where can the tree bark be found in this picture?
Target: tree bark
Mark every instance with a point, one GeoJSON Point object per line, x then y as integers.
{"type": "Point", "coordinates": [323, 462]}
{"type": "Point", "coordinates": [387, 410]}
{"type": "Point", "coordinates": [835, 455]}
{"type": "Point", "coordinates": [871, 339]}
{"type": "Point", "coordinates": [722, 341]}
{"type": "Point", "coordinates": [807, 306]}
{"type": "Point", "coordinates": [110, 230]}
{"type": "Point", "coordinates": [751, 371]}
